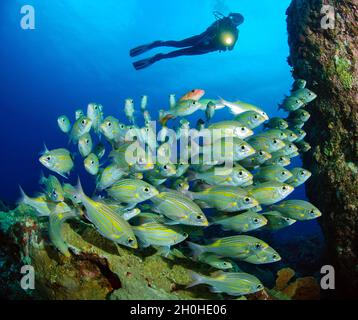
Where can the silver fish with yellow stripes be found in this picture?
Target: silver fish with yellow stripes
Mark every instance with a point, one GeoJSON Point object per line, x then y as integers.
{"type": "Point", "coordinates": [85, 145]}
{"type": "Point", "coordinates": [224, 176]}
{"type": "Point", "coordinates": [230, 128]}
{"type": "Point", "coordinates": [53, 188]}
{"type": "Point", "coordinates": [179, 208]}
{"type": "Point", "coordinates": [39, 203]}
{"type": "Point", "coordinates": [269, 145]}
{"type": "Point", "coordinates": [231, 283]}
{"type": "Point", "coordinates": [132, 191]}
{"type": "Point", "coordinates": [239, 247]}
{"type": "Point", "coordinates": [278, 160]}
{"type": "Point", "coordinates": [57, 160]}
{"type": "Point", "coordinates": [250, 119]}
{"type": "Point", "coordinates": [56, 221]}
{"type": "Point", "coordinates": [108, 176]}
{"type": "Point", "coordinates": [108, 222]}
{"type": "Point", "coordinates": [273, 133]}
{"type": "Point", "coordinates": [95, 113]}
{"type": "Point", "coordinates": [287, 150]}
{"type": "Point", "coordinates": [277, 221]}
{"type": "Point", "coordinates": [297, 210]}
{"type": "Point", "coordinates": [82, 125]}
{"type": "Point", "coordinates": [157, 234]}
{"type": "Point", "coordinates": [273, 173]}
{"type": "Point", "coordinates": [227, 149]}
{"type": "Point", "coordinates": [255, 160]}
{"type": "Point", "coordinates": [78, 114]}
{"type": "Point", "coordinates": [91, 164]}
{"type": "Point", "coordinates": [299, 177]}
{"type": "Point", "coordinates": [276, 123]}
{"type": "Point", "coordinates": [270, 192]}
{"type": "Point", "coordinates": [243, 222]}
{"type": "Point", "coordinates": [215, 261]}
{"type": "Point", "coordinates": [70, 193]}
{"type": "Point", "coordinates": [110, 128]}
{"type": "Point", "coordinates": [225, 198]}
{"type": "Point", "coordinates": [64, 124]}
{"type": "Point", "coordinates": [239, 107]}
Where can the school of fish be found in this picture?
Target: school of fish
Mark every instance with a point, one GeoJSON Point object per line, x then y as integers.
{"type": "Point", "coordinates": [165, 204]}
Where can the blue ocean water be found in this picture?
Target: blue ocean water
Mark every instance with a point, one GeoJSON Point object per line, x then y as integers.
{"type": "Point", "coordinates": [78, 53]}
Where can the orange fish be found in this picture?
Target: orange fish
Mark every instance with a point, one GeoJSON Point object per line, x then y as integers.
{"type": "Point", "coordinates": [194, 94]}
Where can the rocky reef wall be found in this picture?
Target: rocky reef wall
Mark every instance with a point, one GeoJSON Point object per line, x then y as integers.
{"type": "Point", "coordinates": [323, 50]}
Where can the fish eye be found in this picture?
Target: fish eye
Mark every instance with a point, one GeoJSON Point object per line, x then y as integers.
{"type": "Point", "coordinates": [243, 129]}
{"type": "Point", "coordinates": [193, 90]}
{"type": "Point", "coordinates": [258, 246]}
{"type": "Point", "coordinates": [297, 101]}
{"type": "Point", "coordinates": [275, 141]}
{"type": "Point", "coordinates": [54, 193]}
{"type": "Point", "coordinates": [199, 217]}
{"type": "Point", "coordinates": [302, 173]}
{"type": "Point", "coordinates": [185, 235]}
{"type": "Point", "coordinates": [146, 189]}
{"type": "Point", "coordinates": [243, 147]}
{"type": "Point", "coordinates": [92, 162]}
{"type": "Point", "coordinates": [287, 219]}
{"type": "Point", "coordinates": [256, 220]}
{"type": "Point", "coordinates": [284, 188]}
{"type": "Point", "coordinates": [255, 116]}
{"type": "Point", "coordinates": [83, 121]}
{"type": "Point", "coordinates": [312, 211]}
{"type": "Point", "coordinates": [261, 153]}
{"type": "Point", "coordinates": [130, 240]}
{"type": "Point", "coordinates": [224, 263]}
{"type": "Point", "coordinates": [122, 126]}
{"type": "Point", "coordinates": [87, 141]}
{"type": "Point", "coordinates": [109, 124]}
{"type": "Point", "coordinates": [240, 173]}
{"type": "Point", "coordinates": [180, 185]}
{"type": "Point", "coordinates": [48, 158]}
{"type": "Point", "coordinates": [259, 286]}
{"type": "Point", "coordinates": [247, 200]}
{"type": "Point", "coordinates": [274, 256]}
{"type": "Point", "coordinates": [165, 167]}
{"type": "Point", "coordinates": [281, 159]}
{"type": "Point", "coordinates": [283, 173]}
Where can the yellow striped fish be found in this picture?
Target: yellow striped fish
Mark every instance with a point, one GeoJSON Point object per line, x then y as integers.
{"type": "Point", "coordinates": [107, 221]}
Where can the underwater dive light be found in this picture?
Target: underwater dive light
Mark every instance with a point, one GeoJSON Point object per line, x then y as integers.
{"type": "Point", "coordinates": [227, 39]}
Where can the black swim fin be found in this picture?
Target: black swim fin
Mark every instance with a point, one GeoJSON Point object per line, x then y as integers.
{"type": "Point", "coordinates": [141, 64]}
{"type": "Point", "coordinates": [144, 48]}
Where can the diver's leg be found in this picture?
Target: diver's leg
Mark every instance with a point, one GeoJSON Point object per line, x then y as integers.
{"type": "Point", "coordinates": [188, 42]}
{"type": "Point", "coordinates": [177, 53]}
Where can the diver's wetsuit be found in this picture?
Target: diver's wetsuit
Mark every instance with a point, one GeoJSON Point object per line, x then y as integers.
{"type": "Point", "coordinates": [212, 39]}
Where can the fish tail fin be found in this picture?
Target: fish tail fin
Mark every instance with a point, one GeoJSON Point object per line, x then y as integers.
{"type": "Point", "coordinates": [163, 121]}
{"type": "Point", "coordinates": [196, 279]}
{"type": "Point", "coordinates": [23, 196]}
{"type": "Point", "coordinates": [196, 248]}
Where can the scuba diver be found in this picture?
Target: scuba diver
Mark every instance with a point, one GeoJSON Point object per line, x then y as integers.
{"type": "Point", "coordinates": [220, 36]}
